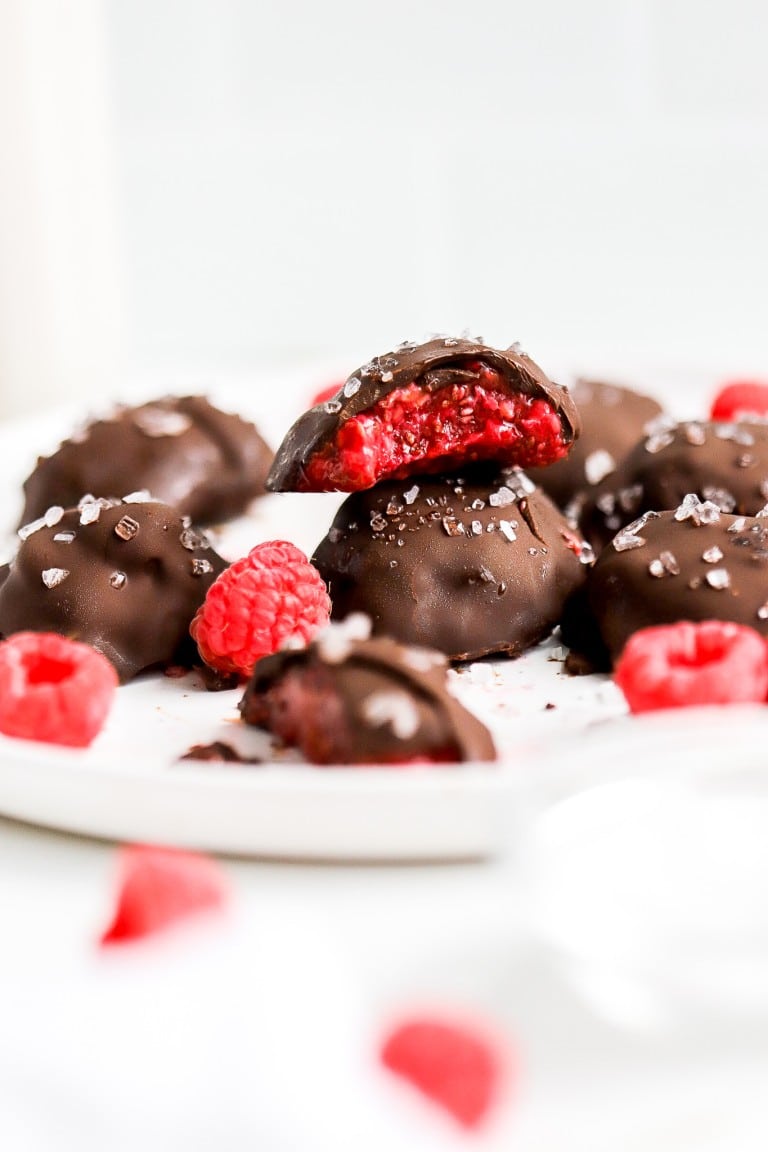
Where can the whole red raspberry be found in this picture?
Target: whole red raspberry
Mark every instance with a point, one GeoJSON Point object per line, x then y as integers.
{"type": "Point", "coordinates": [53, 689]}
{"type": "Point", "coordinates": [327, 392]}
{"type": "Point", "coordinates": [455, 1066]}
{"type": "Point", "coordinates": [741, 400]}
{"type": "Point", "coordinates": [270, 598]}
{"type": "Point", "coordinates": [678, 665]}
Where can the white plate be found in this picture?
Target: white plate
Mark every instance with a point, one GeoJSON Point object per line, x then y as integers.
{"type": "Point", "coordinates": [131, 784]}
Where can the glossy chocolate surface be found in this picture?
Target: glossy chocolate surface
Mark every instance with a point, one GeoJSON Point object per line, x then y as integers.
{"type": "Point", "coordinates": [470, 563]}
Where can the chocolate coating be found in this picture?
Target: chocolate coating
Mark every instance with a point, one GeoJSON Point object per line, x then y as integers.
{"type": "Point", "coordinates": [708, 566]}
{"type": "Point", "coordinates": [125, 578]}
{"type": "Point", "coordinates": [724, 463]}
{"type": "Point", "coordinates": [346, 701]}
{"type": "Point", "coordinates": [182, 450]}
{"type": "Point", "coordinates": [469, 563]}
{"type": "Point", "coordinates": [434, 365]}
{"type": "Point", "coordinates": [612, 421]}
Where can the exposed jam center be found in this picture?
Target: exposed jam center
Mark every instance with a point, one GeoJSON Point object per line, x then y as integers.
{"type": "Point", "coordinates": [414, 430]}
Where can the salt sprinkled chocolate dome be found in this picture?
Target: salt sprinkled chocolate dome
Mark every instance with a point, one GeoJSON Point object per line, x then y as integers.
{"type": "Point", "coordinates": [125, 577]}
{"type": "Point", "coordinates": [726, 464]}
{"type": "Point", "coordinates": [613, 419]}
{"type": "Point", "coordinates": [471, 563]}
{"type": "Point", "coordinates": [427, 408]}
{"type": "Point", "coordinates": [347, 699]}
{"type": "Point", "coordinates": [693, 563]}
{"type": "Point", "coordinates": [208, 463]}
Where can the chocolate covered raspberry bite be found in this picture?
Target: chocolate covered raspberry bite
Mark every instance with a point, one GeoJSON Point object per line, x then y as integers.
{"type": "Point", "coordinates": [694, 563]}
{"type": "Point", "coordinates": [613, 419]}
{"type": "Point", "coordinates": [726, 464]}
{"type": "Point", "coordinates": [347, 699]}
{"type": "Point", "coordinates": [125, 577]}
{"type": "Point", "coordinates": [182, 450]}
{"type": "Point", "coordinates": [471, 563]}
{"type": "Point", "coordinates": [427, 408]}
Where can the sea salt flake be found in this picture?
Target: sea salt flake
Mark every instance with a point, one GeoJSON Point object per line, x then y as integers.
{"type": "Point", "coordinates": [28, 530]}
{"type": "Point", "coordinates": [394, 709]}
{"type": "Point", "coordinates": [587, 554]}
{"type": "Point", "coordinates": [190, 539]}
{"type": "Point", "coordinates": [486, 575]}
{"type": "Point", "coordinates": [738, 524]}
{"type": "Point", "coordinates": [378, 523]}
{"type": "Point", "coordinates": [719, 579]}
{"type": "Point", "coordinates": [712, 555]}
{"type": "Point", "coordinates": [659, 441]}
{"type": "Point", "coordinates": [477, 528]}
{"type": "Point", "coordinates": [126, 528]}
{"type": "Point", "coordinates": [694, 509]}
{"type": "Point", "coordinates": [335, 641]}
{"type": "Point", "coordinates": [90, 512]}
{"type": "Point", "coordinates": [351, 386]}
{"type": "Point", "coordinates": [140, 496]}
{"type": "Point", "coordinates": [762, 612]}
{"type": "Point", "coordinates": [507, 531]}
{"type": "Point", "coordinates": [394, 508]}
{"type": "Point", "coordinates": [52, 577]}
{"type": "Point", "coordinates": [671, 565]}
{"type": "Point", "coordinates": [387, 377]}
{"type": "Point", "coordinates": [656, 568]}
{"type": "Point", "coordinates": [502, 497]}
{"type": "Point", "coordinates": [411, 494]}
{"type": "Point", "coordinates": [332, 407]}
{"type": "Point", "coordinates": [452, 527]}
{"type": "Point", "coordinates": [629, 537]}
{"type": "Point", "coordinates": [335, 534]}
{"type": "Point", "coordinates": [598, 465]}
{"type": "Point", "coordinates": [64, 537]}
{"type": "Point", "coordinates": [422, 659]}
{"type": "Point", "coordinates": [118, 579]}
{"type": "Point", "coordinates": [201, 566]}
{"type": "Point", "coordinates": [53, 515]}
{"type": "Point", "coordinates": [157, 421]}
{"type": "Point", "coordinates": [695, 433]}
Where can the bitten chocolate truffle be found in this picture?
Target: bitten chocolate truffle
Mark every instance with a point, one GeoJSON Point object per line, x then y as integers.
{"type": "Point", "coordinates": [470, 564]}
{"type": "Point", "coordinates": [125, 577]}
{"type": "Point", "coordinates": [430, 407]}
{"type": "Point", "coordinates": [726, 464]}
{"type": "Point", "coordinates": [613, 419]}
{"type": "Point", "coordinates": [182, 450]}
{"type": "Point", "coordinates": [347, 699]}
{"type": "Point", "coordinates": [693, 563]}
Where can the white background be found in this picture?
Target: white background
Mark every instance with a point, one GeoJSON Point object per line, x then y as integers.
{"type": "Point", "coordinates": [253, 182]}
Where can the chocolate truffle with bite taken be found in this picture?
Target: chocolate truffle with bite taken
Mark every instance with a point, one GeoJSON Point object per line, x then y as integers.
{"type": "Point", "coordinates": [125, 577]}
{"type": "Point", "coordinates": [427, 408]}
{"type": "Point", "coordinates": [181, 450]}
{"type": "Point", "coordinates": [470, 563]}
{"type": "Point", "coordinates": [347, 699]}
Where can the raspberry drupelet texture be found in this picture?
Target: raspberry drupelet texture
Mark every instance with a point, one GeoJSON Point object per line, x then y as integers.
{"type": "Point", "coordinates": [270, 599]}
{"type": "Point", "coordinates": [54, 689]}
{"type": "Point", "coordinates": [741, 400]}
{"type": "Point", "coordinates": [686, 664]}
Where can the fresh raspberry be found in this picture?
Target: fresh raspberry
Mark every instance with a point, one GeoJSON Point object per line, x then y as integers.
{"type": "Point", "coordinates": [451, 1064]}
{"type": "Point", "coordinates": [413, 430]}
{"type": "Point", "coordinates": [741, 400]}
{"type": "Point", "coordinates": [678, 665]}
{"type": "Point", "coordinates": [270, 598]}
{"type": "Point", "coordinates": [325, 394]}
{"type": "Point", "coordinates": [54, 689]}
{"type": "Point", "coordinates": [160, 886]}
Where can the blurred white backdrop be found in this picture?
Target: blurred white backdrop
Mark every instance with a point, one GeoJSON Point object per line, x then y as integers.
{"type": "Point", "coordinates": [315, 182]}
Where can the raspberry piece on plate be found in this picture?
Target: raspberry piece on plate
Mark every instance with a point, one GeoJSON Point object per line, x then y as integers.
{"type": "Point", "coordinates": [270, 599]}
{"type": "Point", "coordinates": [54, 689]}
{"type": "Point", "coordinates": [679, 665]}
{"type": "Point", "coordinates": [428, 408]}
{"type": "Point", "coordinates": [454, 1066]}
{"type": "Point", "coordinates": [741, 400]}
{"type": "Point", "coordinates": [160, 886]}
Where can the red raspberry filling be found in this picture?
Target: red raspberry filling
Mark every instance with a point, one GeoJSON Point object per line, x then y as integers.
{"type": "Point", "coordinates": [680, 665]}
{"type": "Point", "coordinates": [54, 689]}
{"type": "Point", "coordinates": [741, 400]}
{"type": "Point", "coordinates": [414, 430]}
{"type": "Point", "coordinates": [454, 1066]}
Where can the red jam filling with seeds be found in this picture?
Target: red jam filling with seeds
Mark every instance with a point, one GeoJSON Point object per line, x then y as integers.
{"type": "Point", "coordinates": [412, 429]}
